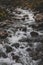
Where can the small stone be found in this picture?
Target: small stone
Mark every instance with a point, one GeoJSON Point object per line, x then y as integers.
{"type": "Point", "coordinates": [2, 54]}
{"type": "Point", "coordinates": [34, 34]}
{"type": "Point", "coordinates": [28, 49]}
{"type": "Point", "coordinates": [23, 18]}
{"type": "Point", "coordinates": [22, 47]}
{"type": "Point", "coordinates": [15, 57]}
{"type": "Point", "coordinates": [16, 45]}
{"type": "Point", "coordinates": [26, 16]}
{"type": "Point", "coordinates": [24, 29]}
{"type": "Point", "coordinates": [8, 49]}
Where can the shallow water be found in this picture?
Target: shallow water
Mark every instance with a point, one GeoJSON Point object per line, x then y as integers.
{"type": "Point", "coordinates": [19, 33]}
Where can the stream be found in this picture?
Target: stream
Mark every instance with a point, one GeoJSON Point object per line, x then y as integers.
{"type": "Point", "coordinates": [23, 45]}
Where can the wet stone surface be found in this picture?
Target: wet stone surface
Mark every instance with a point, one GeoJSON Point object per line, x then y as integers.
{"type": "Point", "coordinates": [21, 39]}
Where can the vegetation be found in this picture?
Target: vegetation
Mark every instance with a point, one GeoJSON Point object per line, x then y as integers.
{"type": "Point", "coordinates": [33, 4]}
{"type": "Point", "coordinates": [28, 3]}
{"type": "Point", "coordinates": [3, 14]}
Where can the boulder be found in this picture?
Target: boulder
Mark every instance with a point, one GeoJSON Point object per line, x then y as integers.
{"type": "Point", "coordinates": [15, 57]}
{"type": "Point", "coordinates": [3, 34]}
{"type": "Point", "coordinates": [39, 17]}
{"type": "Point", "coordinates": [34, 34]}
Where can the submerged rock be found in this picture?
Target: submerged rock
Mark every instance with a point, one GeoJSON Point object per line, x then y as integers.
{"type": "Point", "coordinates": [16, 45]}
{"type": "Point", "coordinates": [3, 24]}
{"type": "Point", "coordinates": [34, 34]}
{"type": "Point", "coordinates": [15, 57]}
{"type": "Point", "coordinates": [24, 29]}
{"type": "Point", "coordinates": [28, 49]}
{"type": "Point", "coordinates": [40, 26]}
{"type": "Point", "coordinates": [3, 34]}
{"type": "Point", "coordinates": [8, 49]}
{"type": "Point", "coordinates": [2, 54]}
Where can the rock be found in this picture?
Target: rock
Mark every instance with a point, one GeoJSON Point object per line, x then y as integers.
{"type": "Point", "coordinates": [18, 12]}
{"type": "Point", "coordinates": [34, 34]}
{"type": "Point", "coordinates": [2, 54]}
{"type": "Point", "coordinates": [34, 55]}
{"type": "Point", "coordinates": [34, 26]}
{"type": "Point", "coordinates": [35, 58]}
{"type": "Point", "coordinates": [28, 49]}
{"type": "Point", "coordinates": [3, 24]}
{"type": "Point", "coordinates": [3, 34]}
{"type": "Point", "coordinates": [15, 57]}
{"type": "Point", "coordinates": [40, 26]}
{"type": "Point", "coordinates": [23, 18]}
{"type": "Point", "coordinates": [29, 42]}
{"type": "Point", "coordinates": [22, 47]}
{"type": "Point", "coordinates": [26, 16]}
{"type": "Point", "coordinates": [24, 29]}
{"type": "Point", "coordinates": [39, 17]}
{"type": "Point", "coordinates": [23, 40]}
{"type": "Point", "coordinates": [16, 45]}
{"type": "Point", "coordinates": [8, 49]}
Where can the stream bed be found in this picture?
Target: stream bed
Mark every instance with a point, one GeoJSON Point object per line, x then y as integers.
{"type": "Point", "coordinates": [24, 43]}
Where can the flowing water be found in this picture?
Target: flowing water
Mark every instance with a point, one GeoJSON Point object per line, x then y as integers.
{"type": "Point", "coordinates": [19, 46]}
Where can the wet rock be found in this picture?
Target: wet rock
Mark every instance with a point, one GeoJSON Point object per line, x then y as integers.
{"type": "Point", "coordinates": [28, 49]}
{"type": "Point", "coordinates": [3, 24]}
{"type": "Point", "coordinates": [26, 16]}
{"type": "Point", "coordinates": [22, 47]}
{"type": "Point", "coordinates": [39, 17]}
{"type": "Point", "coordinates": [16, 45]}
{"type": "Point", "coordinates": [8, 49]}
{"type": "Point", "coordinates": [2, 54]}
{"type": "Point", "coordinates": [40, 26]}
{"type": "Point", "coordinates": [24, 29]}
{"type": "Point", "coordinates": [34, 34]}
{"type": "Point", "coordinates": [18, 12]}
{"type": "Point", "coordinates": [3, 34]}
{"type": "Point", "coordinates": [23, 18]}
{"type": "Point", "coordinates": [35, 58]}
{"type": "Point", "coordinates": [15, 57]}
{"type": "Point", "coordinates": [23, 40]}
